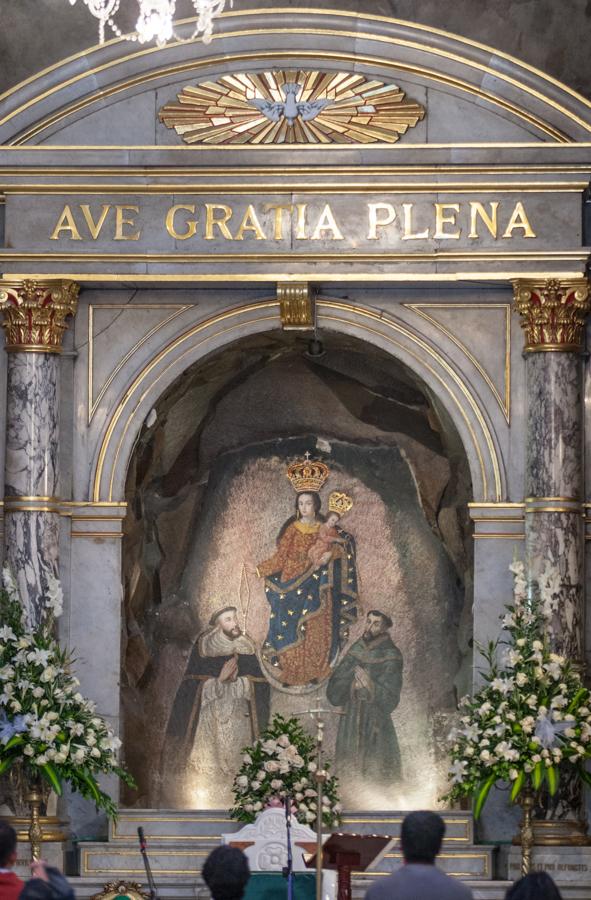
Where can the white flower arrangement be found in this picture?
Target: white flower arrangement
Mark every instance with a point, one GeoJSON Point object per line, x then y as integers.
{"type": "Point", "coordinates": [281, 765]}
{"type": "Point", "coordinates": [532, 720]}
{"type": "Point", "coordinates": [46, 725]}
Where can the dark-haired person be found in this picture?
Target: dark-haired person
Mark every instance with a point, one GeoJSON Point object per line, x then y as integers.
{"type": "Point", "coordinates": [221, 705]}
{"type": "Point", "coordinates": [10, 884]}
{"type": "Point", "coordinates": [420, 838]}
{"type": "Point", "coordinates": [226, 873]}
{"type": "Point", "coordinates": [535, 886]}
{"type": "Point", "coordinates": [366, 684]}
{"type": "Point", "coordinates": [46, 883]}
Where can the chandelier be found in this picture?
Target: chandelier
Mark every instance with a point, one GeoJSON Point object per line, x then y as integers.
{"type": "Point", "coordinates": [155, 19]}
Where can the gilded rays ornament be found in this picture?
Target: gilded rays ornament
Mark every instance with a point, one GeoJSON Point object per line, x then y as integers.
{"type": "Point", "coordinates": [292, 107]}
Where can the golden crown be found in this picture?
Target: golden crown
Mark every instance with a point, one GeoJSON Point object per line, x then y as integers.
{"type": "Point", "coordinates": [306, 475]}
{"type": "Point", "coordinates": [339, 503]}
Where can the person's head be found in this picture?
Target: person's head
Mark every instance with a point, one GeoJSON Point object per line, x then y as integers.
{"type": "Point", "coordinates": [535, 886]}
{"type": "Point", "coordinates": [226, 620]}
{"type": "Point", "coordinates": [7, 846]}
{"type": "Point", "coordinates": [308, 505]}
{"type": "Point", "coordinates": [226, 873]}
{"type": "Point", "coordinates": [376, 623]}
{"type": "Point", "coordinates": [332, 519]}
{"type": "Point", "coordinates": [421, 836]}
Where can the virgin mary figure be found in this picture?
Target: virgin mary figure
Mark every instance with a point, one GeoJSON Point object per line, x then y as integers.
{"type": "Point", "coordinates": [312, 596]}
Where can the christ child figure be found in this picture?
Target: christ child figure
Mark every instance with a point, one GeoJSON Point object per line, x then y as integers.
{"type": "Point", "coordinates": [320, 552]}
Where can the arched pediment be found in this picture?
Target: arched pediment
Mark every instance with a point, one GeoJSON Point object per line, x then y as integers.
{"type": "Point", "coordinates": [112, 94]}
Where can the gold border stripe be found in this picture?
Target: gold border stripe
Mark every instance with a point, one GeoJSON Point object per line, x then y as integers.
{"type": "Point", "coordinates": [226, 59]}
{"type": "Point", "coordinates": [504, 403]}
{"type": "Point", "coordinates": [330, 305]}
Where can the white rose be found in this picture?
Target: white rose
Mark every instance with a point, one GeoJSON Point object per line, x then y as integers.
{"type": "Point", "coordinates": [520, 679]}
{"type": "Point", "coordinates": [513, 773]}
{"type": "Point", "coordinates": [95, 752]}
{"type": "Point", "coordinates": [258, 805]}
{"type": "Point", "coordinates": [520, 643]}
{"type": "Point", "coordinates": [310, 816]}
{"type": "Point", "coordinates": [283, 741]}
{"type": "Point", "coordinates": [242, 781]}
{"type": "Point", "coordinates": [271, 766]}
{"type": "Point", "coordinates": [41, 760]}
{"type": "Point", "coordinates": [255, 785]}
{"type": "Point", "coordinates": [299, 796]}
{"type": "Point", "coordinates": [28, 750]}
{"type": "Point", "coordinates": [276, 784]}
{"type": "Point", "coordinates": [247, 758]}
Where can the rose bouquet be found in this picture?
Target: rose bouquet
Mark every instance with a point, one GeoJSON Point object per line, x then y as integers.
{"type": "Point", "coordinates": [281, 765]}
{"type": "Point", "coordinates": [531, 721]}
{"type": "Point", "coordinates": [46, 725]}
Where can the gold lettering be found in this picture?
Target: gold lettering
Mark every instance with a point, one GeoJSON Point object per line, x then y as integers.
{"type": "Point", "coordinates": [327, 222]}
{"type": "Point", "coordinates": [478, 210]}
{"type": "Point", "coordinates": [190, 223]}
{"type": "Point", "coordinates": [94, 227]}
{"type": "Point", "coordinates": [443, 217]}
{"type": "Point", "coordinates": [121, 220]}
{"type": "Point", "coordinates": [211, 222]}
{"type": "Point", "coordinates": [375, 222]}
{"type": "Point", "coordinates": [519, 220]}
{"type": "Point", "coordinates": [408, 232]}
{"type": "Point", "coordinates": [279, 209]}
{"type": "Point", "coordinates": [250, 222]}
{"type": "Point", "coordinates": [66, 222]}
{"type": "Point", "coordinates": [301, 222]}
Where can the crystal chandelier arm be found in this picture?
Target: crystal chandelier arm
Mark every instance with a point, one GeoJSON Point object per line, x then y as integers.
{"type": "Point", "coordinates": [155, 20]}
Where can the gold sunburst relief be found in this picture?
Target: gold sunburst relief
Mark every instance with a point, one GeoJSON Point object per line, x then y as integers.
{"type": "Point", "coordinates": [292, 107]}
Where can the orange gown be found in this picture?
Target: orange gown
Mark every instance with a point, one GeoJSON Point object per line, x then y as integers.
{"type": "Point", "coordinates": [308, 659]}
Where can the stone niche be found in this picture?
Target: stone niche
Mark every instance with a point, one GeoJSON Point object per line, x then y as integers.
{"type": "Point", "coordinates": [208, 494]}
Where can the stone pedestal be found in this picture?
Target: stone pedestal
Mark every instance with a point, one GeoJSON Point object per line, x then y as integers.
{"type": "Point", "coordinates": [566, 865]}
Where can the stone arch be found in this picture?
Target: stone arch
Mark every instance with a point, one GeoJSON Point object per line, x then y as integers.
{"type": "Point", "coordinates": [490, 82]}
{"type": "Point", "coordinates": [167, 362]}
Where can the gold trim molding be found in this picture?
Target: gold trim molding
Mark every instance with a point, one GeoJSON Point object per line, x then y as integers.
{"type": "Point", "coordinates": [553, 313]}
{"type": "Point", "coordinates": [35, 313]}
{"type": "Point", "coordinates": [296, 305]}
{"type": "Point", "coordinates": [503, 401]}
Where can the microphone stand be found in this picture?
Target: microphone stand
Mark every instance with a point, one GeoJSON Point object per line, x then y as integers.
{"type": "Point", "coordinates": [149, 876]}
{"type": "Point", "coordinates": [288, 869]}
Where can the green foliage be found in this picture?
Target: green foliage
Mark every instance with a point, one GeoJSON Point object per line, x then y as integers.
{"type": "Point", "coordinates": [531, 721]}
{"type": "Point", "coordinates": [46, 726]}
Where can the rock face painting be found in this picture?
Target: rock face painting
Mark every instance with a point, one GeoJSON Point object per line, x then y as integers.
{"type": "Point", "coordinates": [297, 538]}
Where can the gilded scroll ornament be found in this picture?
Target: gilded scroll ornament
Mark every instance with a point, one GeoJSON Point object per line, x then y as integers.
{"type": "Point", "coordinates": [296, 305]}
{"type": "Point", "coordinates": [35, 313]}
{"type": "Point", "coordinates": [292, 107]}
{"type": "Point", "coordinates": [553, 313]}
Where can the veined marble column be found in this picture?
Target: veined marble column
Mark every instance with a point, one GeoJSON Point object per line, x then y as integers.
{"type": "Point", "coordinates": [34, 322]}
{"type": "Point", "coordinates": [553, 317]}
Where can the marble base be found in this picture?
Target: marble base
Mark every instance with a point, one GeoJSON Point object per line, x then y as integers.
{"type": "Point", "coordinates": [566, 865]}
{"type": "Point", "coordinates": [53, 852]}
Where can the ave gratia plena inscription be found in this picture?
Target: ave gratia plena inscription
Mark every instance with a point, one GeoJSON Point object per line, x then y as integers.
{"type": "Point", "coordinates": [381, 221]}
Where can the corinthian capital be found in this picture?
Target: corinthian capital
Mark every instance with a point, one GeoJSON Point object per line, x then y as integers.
{"type": "Point", "coordinates": [553, 313]}
{"type": "Point", "coordinates": [35, 313]}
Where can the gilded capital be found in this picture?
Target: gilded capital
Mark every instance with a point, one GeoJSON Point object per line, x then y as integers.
{"type": "Point", "coordinates": [553, 313]}
{"type": "Point", "coordinates": [296, 305]}
{"type": "Point", "coordinates": [35, 313]}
